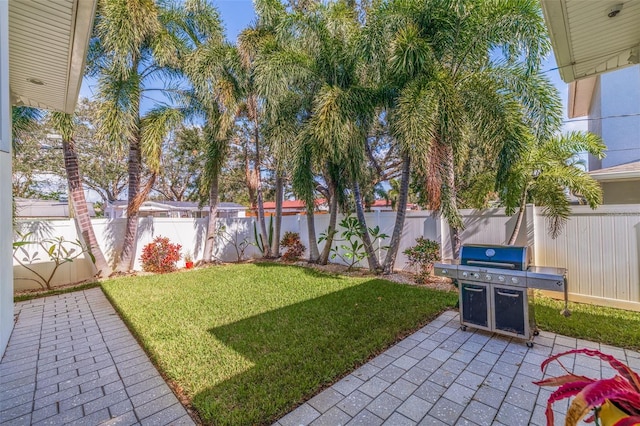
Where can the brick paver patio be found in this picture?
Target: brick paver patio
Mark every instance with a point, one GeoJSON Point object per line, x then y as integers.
{"type": "Point", "coordinates": [442, 375]}
{"type": "Point", "coordinates": [71, 360]}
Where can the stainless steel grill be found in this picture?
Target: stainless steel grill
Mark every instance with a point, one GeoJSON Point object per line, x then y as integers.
{"type": "Point", "coordinates": [496, 288]}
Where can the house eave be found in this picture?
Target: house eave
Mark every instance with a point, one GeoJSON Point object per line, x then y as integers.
{"type": "Point", "coordinates": [48, 42]}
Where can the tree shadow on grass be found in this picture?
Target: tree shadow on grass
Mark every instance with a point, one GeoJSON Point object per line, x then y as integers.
{"type": "Point", "coordinates": [298, 349]}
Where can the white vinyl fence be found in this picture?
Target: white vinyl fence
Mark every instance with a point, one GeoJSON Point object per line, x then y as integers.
{"type": "Point", "coordinates": [599, 247]}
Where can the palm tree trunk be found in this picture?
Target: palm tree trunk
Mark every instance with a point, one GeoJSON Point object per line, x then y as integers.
{"type": "Point", "coordinates": [374, 265]}
{"type": "Point", "coordinates": [392, 253]}
{"type": "Point", "coordinates": [249, 177]}
{"type": "Point", "coordinates": [314, 254]}
{"type": "Point", "coordinates": [333, 217]}
{"type": "Point", "coordinates": [521, 210]}
{"type": "Point", "coordinates": [275, 245]}
{"type": "Point", "coordinates": [131, 229]}
{"type": "Point", "coordinates": [210, 242]}
{"type": "Point", "coordinates": [79, 204]}
{"type": "Point", "coordinates": [453, 216]}
{"type": "Point", "coordinates": [266, 245]}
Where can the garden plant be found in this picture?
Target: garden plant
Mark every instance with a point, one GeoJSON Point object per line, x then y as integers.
{"type": "Point", "coordinates": [295, 248]}
{"type": "Point", "coordinates": [350, 248]}
{"type": "Point", "coordinates": [160, 256]}
{"type": "Point", "coordinates": [615, 401]}
{"type": "Point", "coordinates": [422, 255]}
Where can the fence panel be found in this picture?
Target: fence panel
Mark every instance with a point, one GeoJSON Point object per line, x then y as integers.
{"type": "Point", "coordinates": [490, 226]}
{"type": "Point", "coordinates": [600, 248]}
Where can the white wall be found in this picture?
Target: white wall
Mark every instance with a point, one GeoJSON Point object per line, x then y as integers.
{"type": "Point", "coordinates": [6, 272]}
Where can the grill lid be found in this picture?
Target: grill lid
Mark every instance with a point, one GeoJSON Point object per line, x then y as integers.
{"type": "Point", "coordinates": [495, 256]}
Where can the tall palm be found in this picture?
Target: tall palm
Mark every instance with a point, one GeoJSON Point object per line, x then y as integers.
{"type": "Point", "coordinates": [211, 66]}
{"type": "Point", "coordinates": [64, 124]}
{"type": "Point", "coordinates": [460, 71]}
{"type": "Point", "coordinates": [130, 50]}
{"type": "Point", "coordinates": [316, 60]}
{"type": "Point", "coordinates": [250, 42]}
{"type": "Point", "coordinates": [544, 174]}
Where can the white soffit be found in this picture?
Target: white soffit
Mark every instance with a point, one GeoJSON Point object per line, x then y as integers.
{"type": "Point", "coordinates": [587, 42]}
{"type": "Point", "coordinates": [48, 42]}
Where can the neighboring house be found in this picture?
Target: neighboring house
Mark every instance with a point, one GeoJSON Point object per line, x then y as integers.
{"type": "Point", "coordinates": [43, 46]}
{"type": "Point", "coordinates": [385, 206]}
{"type": "Point", "coordinates": [45, 209]}
{"type": "Point", "coordinates": [178, 209]}
{"type": "Point", "coordinates": [620, 184]}
{"type": "Point", "coordinates": [612, 104]}
{"type": "Point", "coordinates": [597, 46]}
{"type": "Point", "coordinates": [293, 207]}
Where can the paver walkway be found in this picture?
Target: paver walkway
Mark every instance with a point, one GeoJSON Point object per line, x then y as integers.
{"type": "Point", "coordinates": [442, 375]}
{"type": "Point", "coordinates": [71, 360]}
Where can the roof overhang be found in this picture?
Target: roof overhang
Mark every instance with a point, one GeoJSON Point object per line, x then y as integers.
{"type": "Point", "coordinates": [586, 41]}
{"type": "Point", "coordinates": [623, 172]}
{"type": "Point", "coordinates": [48, 43]}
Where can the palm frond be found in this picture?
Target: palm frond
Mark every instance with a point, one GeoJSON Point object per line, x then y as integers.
{"type": "Point", "coordinates": [156, 125]}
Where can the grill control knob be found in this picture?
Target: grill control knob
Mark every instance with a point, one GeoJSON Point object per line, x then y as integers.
{"type": "Point", "coordinates": [476, 275]}
{"type": "Point", "coordinates": [445, 272]}
{"type": "Point", "coordinates": [501, 278]}
{"type": "Point", "coordinates": [514, 280]}
{"type": "Point", "coordinates": [487, 277]}
{"type": "Point", "coordinates": [465, 274]}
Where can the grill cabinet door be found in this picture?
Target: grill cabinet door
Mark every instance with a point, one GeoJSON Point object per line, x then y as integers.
{"type": "Point", "coordinates": [474, 305]}
{"type": "Point", "coordinates": [510, 305]}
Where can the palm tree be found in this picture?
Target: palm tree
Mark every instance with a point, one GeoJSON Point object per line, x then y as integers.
{"type": "Point", "coordinates": [64, 124]}
{"type": "Point", "coordinates": [250, 42]}
{"type": "Point", "coordinates": [211, 65]}
{"type": "Point", "coordinates": [544, 174]}
{"type": "Point", "coordinates": [130, 50]}
{"type": "Point", "coordinates": [460, 71]}
{"type": "Point", "coordinates": [316, 59]}
{"type": "Point", "coordinates": [23, 120]}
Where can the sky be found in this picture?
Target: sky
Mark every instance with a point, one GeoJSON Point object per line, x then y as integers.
{"type": "Point", "coordinates": [238, 14]}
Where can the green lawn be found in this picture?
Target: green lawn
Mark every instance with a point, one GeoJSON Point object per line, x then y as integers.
{"type": "Point", "coordinates": [249, 342]}
{"type": "Point", "coordinates": [614, 327]}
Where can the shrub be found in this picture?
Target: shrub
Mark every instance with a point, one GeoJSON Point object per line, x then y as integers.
{"type": "Point", "coordinates": [352, 249]}
{"type": "Point", "coordinates": [160, 256]}
{"type": "Point", "coordinates": [423, 254]}
{"type": "Point", "coordinates": [291, 241]}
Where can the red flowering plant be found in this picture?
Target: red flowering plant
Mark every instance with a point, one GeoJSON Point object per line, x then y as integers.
{"type": "Point", "coordinates": [160, 256]}
{"type": "Point", "coordinates": [618, 396]}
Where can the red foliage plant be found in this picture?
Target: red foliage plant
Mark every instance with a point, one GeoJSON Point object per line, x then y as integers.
{"type": "Point", "coordinates": [622, 390]}
{"type": "Point", "coordinates": [295, 249]}
{"type": "Point", "coordinates": [160, 256]}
